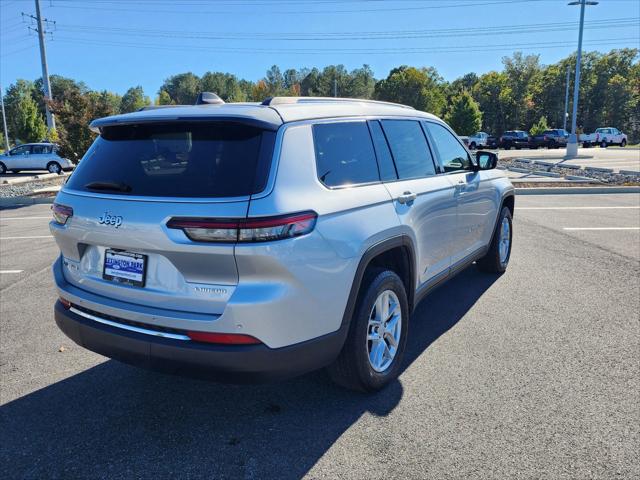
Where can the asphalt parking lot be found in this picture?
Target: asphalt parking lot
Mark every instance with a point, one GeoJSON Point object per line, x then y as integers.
{"type": "Point", "coordinates": [534, 374]}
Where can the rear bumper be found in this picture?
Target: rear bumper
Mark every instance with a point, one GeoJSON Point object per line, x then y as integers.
{"type": "Point", "coordinates": [230, 363]}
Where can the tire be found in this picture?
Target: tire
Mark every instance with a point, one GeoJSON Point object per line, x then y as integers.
{"type": "Point", "coordinates": [507, 147]}
{"type": "Point", "coordinates": [495, 261]}
{"type": "Point", "coordinates": [552, 145]}
{"type": "Point", "coordinates": [472, 146]}
{"type": "Point", "coordinates": [54, 167]}
{"type": "Point", "coordinates": [3, 168]}
{"type": "Point", "coordinates": [353, 368]}
{"type": "Point", "coordinates": [603, 144]}
{"type": "Point", "coordinates": [586, 145]}
{"type": "Point", "coordinates": [623, 143]}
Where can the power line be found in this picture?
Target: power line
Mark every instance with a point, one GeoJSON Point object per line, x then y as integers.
{"type": "Point", "coordinates": [438, 5]}
{"type": "Point", "coordinates": [342, 36]}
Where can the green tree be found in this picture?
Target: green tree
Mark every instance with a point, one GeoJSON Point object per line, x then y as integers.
{"type": "Point", "coordinates": [520, 71]}
{"type": "Point", "coordinates": [422, 88]}
{"type": "Point", "coordinates": [464, 115]}
{"type": "Point", "coordinates": [494, 97]}
{"type": "Point", "coordinates": [134, 99]}
{"type": "Point", "coordinates": [225, 85]}
{"type": "Point", "coordinates": [183, 89]}
{"type": "Point", "coordinates": [24, 121]}
{"type": "Point", "coordinates": [540, 126]}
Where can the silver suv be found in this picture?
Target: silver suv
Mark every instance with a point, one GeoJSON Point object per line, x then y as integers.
{"type": "Point", "coordinates": [261, 241]}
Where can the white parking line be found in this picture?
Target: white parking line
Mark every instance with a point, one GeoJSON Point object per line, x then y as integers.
{"type": "Point", "coordinates": [578, 208]}
{"type": "Point", "coordinates": [26, 218]}
{"type": "Point", "coordinates": [600, 228]}
{"type": "Point", "coordinates": [11, 271]}
{"type": "Point", "coordinates": [26, 238]}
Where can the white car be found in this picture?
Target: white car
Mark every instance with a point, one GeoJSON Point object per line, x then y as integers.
{"type": "Point", "coordinates": [478, 140]}
{"type": "Point", "coordinates": [34, 156]}
{"type": "Point", "coordinates": [604, 137]}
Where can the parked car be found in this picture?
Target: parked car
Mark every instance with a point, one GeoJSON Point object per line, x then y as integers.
{"type": "Point", "coordinates": [554, 138]}
{"type": "Point", "coordinates": [478, 140]}
{"type": "Point", "coordinates": [492, 142]}
{"type": "Point", "coordinates": [34, 156]}
{"type": "Point", "coordinates": [514, 138]}
{"type": "Point", "coordinates": [604, 137]}
{"type": "Point", "coordinates": [254, 242]}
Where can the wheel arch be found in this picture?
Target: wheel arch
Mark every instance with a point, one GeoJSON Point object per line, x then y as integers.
{"type": "Point", "coordinates": [398, 253]}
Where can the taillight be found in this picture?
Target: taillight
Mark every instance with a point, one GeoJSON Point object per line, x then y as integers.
{"type": "Point", "coordinates": [245, 230]}
{"type": "Point", "coordinates": [61, 213]}
{"type": "Point", "coordinates": [546, 138]}
{"type": "Point", "coordinates": [223, 338]}
{"type": "Point", "coordinates": [65, 303]}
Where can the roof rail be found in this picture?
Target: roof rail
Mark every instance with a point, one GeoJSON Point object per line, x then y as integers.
{"type": "Point", "coordinates": [271, 101]}
{"type": "Point", "coordinates": [157, 107]}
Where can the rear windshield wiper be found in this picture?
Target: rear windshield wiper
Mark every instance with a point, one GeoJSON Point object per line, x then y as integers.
{"type": "Point", "coordinates": [114, 186]}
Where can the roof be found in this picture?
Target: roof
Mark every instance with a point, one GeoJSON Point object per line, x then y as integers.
{"type": "Point", "coordinates": [271, 114]}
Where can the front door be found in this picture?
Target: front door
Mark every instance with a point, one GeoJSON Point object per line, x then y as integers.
{"type": "Point", "coordinates": [475, 197]}
{"type": "Point", "coordinates": [423, 200]}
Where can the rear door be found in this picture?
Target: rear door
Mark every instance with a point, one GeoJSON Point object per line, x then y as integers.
{"type": "Point", "coordinates": [424, 200]}
{"type": "Point", "coordinates": [40, 156]}
{"type": "Point", "coordinates": [132, 182]}
{"type": "Point", "coordinates": [474, 194]}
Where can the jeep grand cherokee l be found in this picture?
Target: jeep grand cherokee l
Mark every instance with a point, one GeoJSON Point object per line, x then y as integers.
{"type": "Point", "coordinates": [261, 241]}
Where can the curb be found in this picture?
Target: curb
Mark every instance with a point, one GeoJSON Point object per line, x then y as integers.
{"type": "Point", "coordinates": [33, 178]}
{"type": "Point", "coordinates": [575, 190]}
{"type": "Point", "coordinates": [16, 201]}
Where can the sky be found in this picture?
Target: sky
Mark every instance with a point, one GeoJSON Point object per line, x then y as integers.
{"type": "Point", "coordinates": [117, 44]}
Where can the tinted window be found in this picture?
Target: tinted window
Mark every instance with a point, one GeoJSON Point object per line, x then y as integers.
{"type": "Point", "coordinates": [454, 157]}
{"type": "Point", "coordinates": [344, 154]}
{"type": "Point", "coordinates": [385, 161]}
{"type": "Point", "coordinates": [21, 150]}
{"type": "Point", "coordinates": [176, 160]}
{"type": "Point", "coordinates": [40, 149]}
{"type": "Point", "coordinates": [409, 148]}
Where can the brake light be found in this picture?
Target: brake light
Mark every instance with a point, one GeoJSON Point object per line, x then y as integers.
{"type": "Point", "coordinates": [223, 338]}
{"type": "Point", "coordinates": [245, 230]}
{"type": "Point", "coordinates": [65, 303]}
{"type": "Point", "coordinates": [61, 213]}
{"type": "Point", "coordinates": [546, 138]}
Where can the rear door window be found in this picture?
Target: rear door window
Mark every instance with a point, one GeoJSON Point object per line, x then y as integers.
{"type": "Point", "coordinates": [409, 148]}
{"type": "Point", "coordinates": [216, 159]}
{"type": "Point", "coordinates": [344, 154]}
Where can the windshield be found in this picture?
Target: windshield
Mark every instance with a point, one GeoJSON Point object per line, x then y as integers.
{"type": "Point", "coordinates": [177, 160]}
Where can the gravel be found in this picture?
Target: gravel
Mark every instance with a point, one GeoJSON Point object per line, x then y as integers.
{"type": "Point", "coordinates": [610, 178]}
{"type": "Point", "coordinates": [25, 189]}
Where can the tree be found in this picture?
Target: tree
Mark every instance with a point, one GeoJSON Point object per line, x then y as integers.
{"type": "Point", "coordinates": [134, 99]}
{"type": "Point", "coordinates": [464, 116]}
{"type": "Point", "coordinates": [183, 89]}
{"type": "Point", "coordinates": [24, 122]}
{"type": "Point", "coordinates": [225, 85]}
{"type": "Point", "coordinates": [422, 88]}
{"type": "Point", "coordinates": [493, 96]}
{"type": "Point", "coordinates": [539, 127]}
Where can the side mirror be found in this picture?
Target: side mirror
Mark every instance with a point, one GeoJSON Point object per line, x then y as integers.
{"type": "Point", "coordinates": [486, 160]}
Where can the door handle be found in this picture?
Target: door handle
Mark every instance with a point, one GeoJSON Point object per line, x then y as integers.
{"type": "Point", "coordinates": [407, 197]}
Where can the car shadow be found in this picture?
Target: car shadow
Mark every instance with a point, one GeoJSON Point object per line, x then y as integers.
{"type": "Point", "coordinates": [116, 421]}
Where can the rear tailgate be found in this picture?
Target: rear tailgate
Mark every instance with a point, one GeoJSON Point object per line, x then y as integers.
{"type": "Point", "coordinates": [131, 182]}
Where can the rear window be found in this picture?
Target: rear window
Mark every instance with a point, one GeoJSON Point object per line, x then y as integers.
{"type": "Point", "coordinates": [177, 160]}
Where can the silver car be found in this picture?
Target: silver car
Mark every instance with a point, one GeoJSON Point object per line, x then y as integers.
{"type": "Point", "coordinates": [261, 241]}
{"type": "Point", "coordinates": [34, 156]}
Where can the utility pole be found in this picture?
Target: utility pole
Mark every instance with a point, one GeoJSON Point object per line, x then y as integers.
{"type": "Point", "coordinates": [51, 122]}
{"type": "Point", "coordinates": [572, 145]}
{"type": "Point", "coordinates": [566, 99]}
{"type": "Point", "coordinates": [335, 87]}
{"type": "Point", "coordinates": [4, 123]}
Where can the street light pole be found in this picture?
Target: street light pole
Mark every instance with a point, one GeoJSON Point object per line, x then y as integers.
{"type": "Point", "coordinates": [572, 145]}
{"type": "Point", "coordinates": [566, 99]}
{"type": "Point", "coordinates": [4, 123]}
